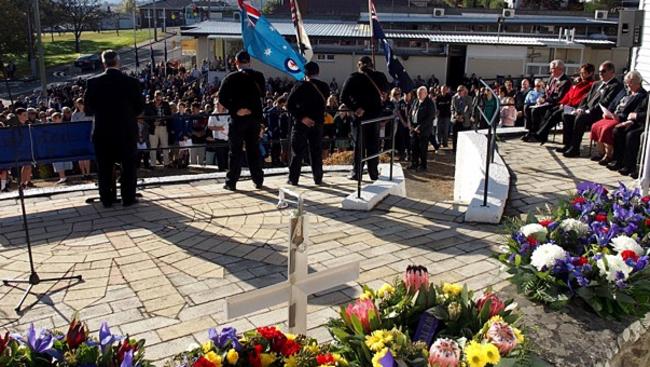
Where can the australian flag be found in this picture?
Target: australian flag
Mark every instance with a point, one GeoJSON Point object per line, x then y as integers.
{"type": "Point", "coordinates": [395, 67]}
{"type": "Point", "coordinates": [265, 43]}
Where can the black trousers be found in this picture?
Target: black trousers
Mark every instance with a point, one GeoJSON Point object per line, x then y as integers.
{"type": "Point", "coordinates": [370, 147]}
{"type": "Point", "coordinates": [572, 136]}
{"type": "Point", "coordinates": [627, 141]}
{"type": "Point", "coordinates": [457, 126]}
{"type": "Point", "coordinates": [535, 117]}
{"type": "Point", "coordinates": [306, 139]}
{"type": "Point", "coordinates": [107, 154]}
{"type": "Point", "coordinates": [552, 117]}
{"type": "Point", "coordinates": [244, 131]}
{"type": "Point", "coordinates": [419, 147]}
{"type": "Point", "coordinates": [402, 140]}
{"type": "Point", "coordinates": [220, 154]}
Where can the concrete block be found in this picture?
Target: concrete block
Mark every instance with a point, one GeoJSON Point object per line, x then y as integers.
{"type": "Point", "coordinates": [374, 193]}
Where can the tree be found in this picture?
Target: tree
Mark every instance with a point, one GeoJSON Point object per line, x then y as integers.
{"type": "Point", "coordinates": [128, 6]}
{"type": "Point", "coordinates": [80, 16]}
{"type": "Point", "coordinates": [13, 29]}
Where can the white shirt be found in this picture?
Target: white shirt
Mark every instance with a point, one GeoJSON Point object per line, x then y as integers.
{"type": "Point", "coordinates": [219, 121]}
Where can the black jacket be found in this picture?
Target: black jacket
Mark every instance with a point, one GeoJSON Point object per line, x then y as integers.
{"type": "Point", "coordinates": [243, 89]}
{"type": "Point", "coordinates": [629, 103]}
{"type": "Point", "coordinates": [560, 89]}
{"type": "Point", "coordinates": [422, 116]}
{"type": "Point", "coordinates": [150, 110]}
{"type": "Point", "coordinates": [359, 91]}
{"type": "Point", "coordinates": [115, 100]}
{"type": "Point", "coordinates": [307, 99]}
{"type": "Point", "coordinates": [608, 96]}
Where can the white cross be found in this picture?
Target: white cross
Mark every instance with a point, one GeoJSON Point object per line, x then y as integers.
{"type": "Point", "coordinates": [299, 284]}
{"type": "Point", "coordinates": [267, 52]}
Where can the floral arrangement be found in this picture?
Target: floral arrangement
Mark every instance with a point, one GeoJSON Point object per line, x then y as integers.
{"type": "Point", "coordinates": [44, 348]}
{"type": "Point", "coordinates": [262, 347]}
{"type": "Point", "coordinates": [593, 247]}
{"type": "Point", "coordinates": [377, 329]}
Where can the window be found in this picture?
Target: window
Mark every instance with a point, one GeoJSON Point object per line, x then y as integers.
{"type": "Point", "coordinates": [325, 58]}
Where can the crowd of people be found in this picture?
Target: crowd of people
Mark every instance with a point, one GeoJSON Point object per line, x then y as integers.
{"type": "Point", "coordinates": [184, 120]}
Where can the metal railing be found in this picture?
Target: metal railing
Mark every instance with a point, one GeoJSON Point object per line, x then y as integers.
{"type": "Point", "coordinates": [491, 140]}
{"type": "Point", "coordinates": [359, 157]}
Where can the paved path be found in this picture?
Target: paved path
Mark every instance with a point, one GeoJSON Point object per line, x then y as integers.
{"type": "Point", "coordinates": [162, 270]}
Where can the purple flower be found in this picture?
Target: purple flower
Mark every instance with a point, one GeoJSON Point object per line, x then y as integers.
{"type": "Point", "coordinates": [625, 195]}
{"type": "Point", "coordinates": [641, 263]}
{"type": "Point", "coordinates": [40, 342]}
{"type": "Point", "coordinates": [128, 359]}
{"type": "Point", "coordinates": [227, 334]}
{"type": "Point", "coordinates": [106, 339]}
{"type": "Point", "coordinates": [620, 280]}
{"type": "Point", "coordinates": [387, 360]}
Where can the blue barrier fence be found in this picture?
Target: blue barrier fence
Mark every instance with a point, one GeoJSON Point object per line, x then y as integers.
{"type": "Point", "coordinates": [45, 143]}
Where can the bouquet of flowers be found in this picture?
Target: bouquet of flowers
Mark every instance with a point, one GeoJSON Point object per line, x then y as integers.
{"type": "Point", "coordinates": [593, 247]}
{"type": "Point", "coordinates": [262, 347]}
{"type": "Point", "coordinates": [42, 348]}
{"type": "Point", "coordinates": [378, 328]}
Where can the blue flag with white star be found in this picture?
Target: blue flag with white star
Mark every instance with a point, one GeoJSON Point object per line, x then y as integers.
{"type": "Point", "coordinates": [395, 67]}
{"type": "Point", "coordinates": [265, 43]}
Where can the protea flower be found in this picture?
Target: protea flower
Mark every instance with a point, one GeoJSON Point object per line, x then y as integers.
{"type": "Point", "coordinates": [496, 305]}
{"type": "Point", "coordinates": [415, 277]}
{"type": "Point", "coordinates": [77, 333]}
{"type": "Point", "coordinates": [362, 310]}
{"type": "Point", "coordinates": [444, 353]}
{"type": "Point", "coordinates": [503, 336]}
{"type": "Point", "coordinates": [4, 342]}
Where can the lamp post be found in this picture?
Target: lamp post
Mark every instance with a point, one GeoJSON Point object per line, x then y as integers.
{"type": "Point", "coordinates": [41, 52]}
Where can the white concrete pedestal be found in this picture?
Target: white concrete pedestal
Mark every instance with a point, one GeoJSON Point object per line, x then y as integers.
{"type": "Point", "coordinates": [374, 193]}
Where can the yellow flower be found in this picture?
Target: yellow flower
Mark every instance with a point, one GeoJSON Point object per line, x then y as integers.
{"type": "Point", "coordinates": [367, 295]}
{"type": "Point", "coordinates": [232, 356]}
{"type": "Point", "coordinates": [493, 319]}
{"type": "Point", "coordinates": [519, 335]}
{"type": "Point", "coordinates": [385, 290]}
{"type": "Point", "coordinates": [374, 342]}
{"type": "Point", "coordinates": [290, 336]}
{"type": "Point", "coordinates": [267, 359]}
{"type": "Point", "coordinates": [340, 360]}
{"type": "Point", "coordinates": [492, 353]}
{"type": "Point", "coordinates": [451, 289]}
{"type": "Point", "coordinates": [313, 348]}
{"type": "Point", "coordinates": [214, 358]}
{"type": "Point", "coordinates": [207, 346]}
{"type": "Point", "coordinates": [291, 362]}
{"type": "Point", "coordinates": [475, 355]}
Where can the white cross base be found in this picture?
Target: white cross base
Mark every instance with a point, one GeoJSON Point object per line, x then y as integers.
{"type": "Point", "coordinates": [296, 289]}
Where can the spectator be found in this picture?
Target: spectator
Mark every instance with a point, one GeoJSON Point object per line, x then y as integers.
{"type": "Point", "coordinates": [343, 123]}
{"type": "Point", "coordinates": [66, 113]}
{"type": "Point", "coordinates": [422, 116]}
{"type": "Point", "coordinates": [219, 126]}
{"type": "Point", "coordinates": [60, 167]}
{"type": "Point", "coordinates": [158, 113]}
{"type": "Point", "coordinates": [79, 114]}
{"type": "Point", "coordinates": [199, 135]}
{"type": "Point", "coordinates": [461, 112]}
{"type": "Point", "coordinates": [443, 106]}
{"type": "Point", "coordinates": [508, 112]}
{"type": "Point", "coordinates": [520, 98]}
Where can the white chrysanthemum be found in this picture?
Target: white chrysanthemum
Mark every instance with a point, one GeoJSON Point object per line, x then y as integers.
{"type": "Point", "coordinates": [615, 264]}
{"type": "Point", "coordinates": [575, 225]}
{"type": "Point", "coordinates": [545, 256]}
{"type": "Point", "coordinates": [623, 242]}
{"type": "Point", "coordinates": [536, 230]}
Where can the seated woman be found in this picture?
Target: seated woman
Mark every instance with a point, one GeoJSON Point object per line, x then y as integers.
{"type": "Point", "coordinates": [508, 112]}
{"type": "Point", "coordinates": [603, 130]}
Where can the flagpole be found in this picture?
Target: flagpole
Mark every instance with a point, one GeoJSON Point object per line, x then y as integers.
{"type": "Point", "coordinates": [372, 43]}
{"type": "Point", "coordinates": [294, 19]}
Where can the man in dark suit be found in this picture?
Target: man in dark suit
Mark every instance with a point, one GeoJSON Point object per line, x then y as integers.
{"type": "Point", "coordinates": [606, 92]}
{"type": "Point", "coordinates": [158, 113]}
{"type": "Point", "coordinates": [557, 85]}
{"type": "Point", "coordinates": [362, 93]}
{"type": "Point", "coordinates": [307, 106]}
{"type": "Point", "coordinates": [422, 115]}
{"type": "Point", "coordinates": [115, 100]}
{"type": "Point", "coordinates": [241, 93]}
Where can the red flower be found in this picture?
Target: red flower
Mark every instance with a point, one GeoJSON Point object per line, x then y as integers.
{"type": "Point", "coordinates": [268, 332]}
{"type": "Point", "coordinates": [647, 222]}
{"type": "Point", "coordinates": [532, 240]}
{"type": "Point", "coordinates": [277, 342]}
{"type": "Point", "coordinates": [601, 217]}
{"type": "Point", "coordinates": [76, 333]}
{"type": "Point", "coordinates": [125, 347]}
{"type": "Point", "coordinates": [254, 358]}
{"type": "Point", "coordinates": [546, 222]}
{"type": "Point", "coordinates": [629, 254]}
{"type": "Point", "coordinates": [581, 261]}
{"type": "Point", "coordinates": [645, 199]}
{"type": "Point", "coordinates": [322, 359]}
{"type": "Point", "coordinates": [202, 362]}
{"type": "Point", "coordinates": [496, 305]}
{"type": "Point", "coordinates": [4, 342]}
{"type": "Point", "coordinates": [290, 348]}
{"type": "Point", "coordinates": [579, 200]}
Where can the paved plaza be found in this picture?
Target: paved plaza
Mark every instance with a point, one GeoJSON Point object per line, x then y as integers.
{"type": "Point", "coordinates": [162, 270]}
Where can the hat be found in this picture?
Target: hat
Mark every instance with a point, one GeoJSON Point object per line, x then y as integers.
{"type": "Point", "coordinates": [243, 57]}
{"type": "Point", "coordinates": [311, 68]}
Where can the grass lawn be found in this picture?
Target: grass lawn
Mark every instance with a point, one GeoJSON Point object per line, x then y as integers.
{"type": "Point", "coordinates": [59, 48]}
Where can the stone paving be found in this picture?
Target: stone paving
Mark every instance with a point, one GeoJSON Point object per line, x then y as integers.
{"type": "Point", "coordinates": [161, 270]}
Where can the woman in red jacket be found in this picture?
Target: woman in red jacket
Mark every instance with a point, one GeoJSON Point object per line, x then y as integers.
{"type": "Point", "coordinates": [570, 100]}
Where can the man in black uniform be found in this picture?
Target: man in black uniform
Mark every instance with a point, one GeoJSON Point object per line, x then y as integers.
{"type": "Point", "coordinates": [115, 100]}
{"type": "Point", "coordinates": [362, 93]}
{"type": "Point", "coordinates": [241, 93]}
{"type": "Point", "coordinates": [307, 106]}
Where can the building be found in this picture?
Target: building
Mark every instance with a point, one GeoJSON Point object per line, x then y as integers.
{"type": "Point", "coordinates": [488, 44]}
{"type": "Point", "coordinates": [171, 13]}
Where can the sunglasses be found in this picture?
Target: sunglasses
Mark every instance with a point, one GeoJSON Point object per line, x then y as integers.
{"type": "Point", "coordinates": [602, 71]}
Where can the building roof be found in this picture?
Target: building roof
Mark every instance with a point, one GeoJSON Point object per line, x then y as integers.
{"type": "Point", "coordinates": [490, 18]}
{"type": "Point", "coordinates": [166, 4]}
{"type": "Point", "coordinates": [216, 29]}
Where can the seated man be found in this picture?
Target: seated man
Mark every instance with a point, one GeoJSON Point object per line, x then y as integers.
{"type": "Point", "coordinates": [557, 86]}
{"type": "Point", "coordinates": [572, 99]}
{"type": "Point", "coordinates": [606, 92]}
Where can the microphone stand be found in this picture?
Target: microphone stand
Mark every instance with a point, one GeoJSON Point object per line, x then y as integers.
{"type": "Point", "coordinates": [33, 279]}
